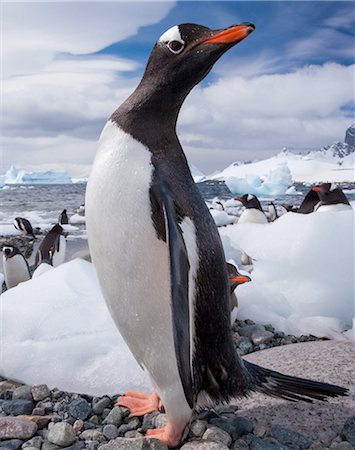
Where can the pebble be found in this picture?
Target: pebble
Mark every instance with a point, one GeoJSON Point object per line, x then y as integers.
{"type": "Point", "coordinates": [261, 337]}
{"type": "Point", "coordinates": [17, 407]}
{"type": "Point", "coordinates": [78, 425]}
{"type": "Point", "coordinates": [8, 385]}
{"type": "Point", "coordinates": [12, 427]}
{"type": "Point", "coordinates": [110, 431]}
{"type": "Point", "coordinates": [134, 444]}
{"type": "Point", "coordinates": [206, 445]}
{"type": "Point", "coordinates": [100, 405]}
{"type": "Point", "coordinates": [79, 408]}
{"type": "Point", "coordinates": [236, 427]}
{"type": "Point", "coordinates": [240, 444]}
{"type": "Point", "coordinates": [348, 431]}
{"type": "Point", "coordinates": [244, 345]}
{"type": "Point", "coordinates": [22, 393]}
{"type": "Point", "coordinates": [11, 444]}
{"type": "Point", "coordinates": [257, 443]}
{"type": "Point", "coordinates": [217, 435]}
{"type": "Point", "coordinates": [296, 441]}
{"type": "Point", "coordinates": [197, 428]}
{"type": "Point", "coordinates": [77, 446]}
{"type": "Point", "coordinates": [40, 392]}
{"type": "Point", "coordinates": [41, 421]}
{"type": "Point", "coordinates": [92, 435]}
{"type": "Point", "coordinates": [61, 434]}
{"type": "Point", "coordinates": [49, 446]}
{"type": "Point", "coordinates": [114, 417]}
{"type": "Point", "coordinates": [34, 442]}
{"type": "Point", "coordinates": [342, 446]}
{"type": "Point", "coordinates": [39, 411]}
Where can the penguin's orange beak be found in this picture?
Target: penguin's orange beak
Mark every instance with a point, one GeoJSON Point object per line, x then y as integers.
{"type": "Point", "coordinates": [231, 35]}
{"type": "Point", "coordinates": [238, 199]}
{"type": "Point", "coordinates": [317, 189]}
{"type": "Point", "coordinates": [241, 279]}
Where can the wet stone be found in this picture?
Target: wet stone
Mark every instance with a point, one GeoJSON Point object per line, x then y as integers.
{"type": "Point", "coordinates": [22, 393]}
{"type": "Point", "coordinates": [17, 407]}
{"type": "Point", "coordinates": [80, 408]}
{"type": "Point", "coordinates": [40, 392]}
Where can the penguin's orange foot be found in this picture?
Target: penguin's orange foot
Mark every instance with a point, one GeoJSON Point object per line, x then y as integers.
{"type": "Point", "coordinates": [170, 435]}
{"type": "Point", "coordinates": [139, 403]}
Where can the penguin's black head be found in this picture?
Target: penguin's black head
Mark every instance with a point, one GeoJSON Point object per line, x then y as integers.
{"type": "Point", "coordinates": [235, 278]}
{"type": "Point", "coordinates": [10, 251]}
{"type": "Point", "coordinates": [57, 229]}
{"type": "Point", "coordinates": [330, 193]}
{"type": "Point", "coordinates": [249, 201]}
{"type": "Point", "coordinates": [184, 54]}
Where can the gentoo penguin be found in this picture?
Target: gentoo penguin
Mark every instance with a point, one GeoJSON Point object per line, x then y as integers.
{"type": "Point", "coordinates": [253, 212]}
{"type": "Point", "coordinates": [24, 225]}
{"type": "Point", "coordinates": [52, 248]}
{"type": "Point", "coordinates": [235, 279]}
{"type": "Point", "coordinates": [81, 210]}
{"type": "Point", "coordinates": [331, 198]}
{"type": "Point", "coordinates": [16, 268]}
{"type": "Point", "coordinates": [308, 204]}
{"type": "Point", "coordinates": [175, 317]}
{"type": "Point", "coordinates": [63, 218]}
{"type": "Point", "coordinates": [273, 214]}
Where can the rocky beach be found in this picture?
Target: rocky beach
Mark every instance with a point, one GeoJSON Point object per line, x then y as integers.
{"type": "Point", "coordinates": [37, 418]}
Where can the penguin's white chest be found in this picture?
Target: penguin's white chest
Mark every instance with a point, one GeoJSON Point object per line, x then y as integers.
{"type": "Point", "coordinates": [15, 271]}
{"type": "Point", "coordinates": [131, 262]}
{"type": "Point", "coordinates": [252, 215]}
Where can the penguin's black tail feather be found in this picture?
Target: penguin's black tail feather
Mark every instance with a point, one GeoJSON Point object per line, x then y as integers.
{"type": "Point", "coordinates": [290, 388]}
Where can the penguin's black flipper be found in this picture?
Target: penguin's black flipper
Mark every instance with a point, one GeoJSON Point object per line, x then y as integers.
{"type": "Point", "coordinates": [164, 213]}
{"type": "Point", "coordinates": [309, 202]}
{"type": "Point", "coordinates": [276, 384]}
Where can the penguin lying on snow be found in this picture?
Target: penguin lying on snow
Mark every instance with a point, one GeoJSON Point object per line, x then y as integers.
{"type": "Point", "coordinates": [253, 212]}
{"type": "Point", "coordinates": [16, 268]}
{"type": "Point", "coordinates": [235, 279]}
{"type": "Point", "coordinates": [52, 248]}
{"type": "Point", "coordinates": [24, 225]}
{"type": "Point", "coordinates": [331, 198]}
{"type": "Point", "coordinates": [175, 318]}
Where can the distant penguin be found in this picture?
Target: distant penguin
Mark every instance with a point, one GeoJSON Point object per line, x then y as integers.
{"type": "Point", "coordinates": [63, 218]}
{"type": "Point", "coordinates": [16, 268]}
{"type": "Point", "coordinates": [217, 205]}
{"type": "Point", "coordinates": [331, 198]}
{"type": "Point", "coordinates": [24, 225]}
{"type": "Point", "coordinates": [253, 212]}
{"type": "Point", "coordinates": [289, 208]}
{"type": "Point", "coordinates": [81, 210]}
{"type": "Point", "coordinates": [235, 279]}
{"type": "Point", "coordinates": [52, 248]}
{"type": "Point", "coordinates": [273, 214]}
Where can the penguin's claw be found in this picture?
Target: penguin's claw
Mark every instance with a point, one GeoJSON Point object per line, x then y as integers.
{"type": "Point", "coordinates": [139, 403]}
{"type": "Point", "coordinates": [170, 435]}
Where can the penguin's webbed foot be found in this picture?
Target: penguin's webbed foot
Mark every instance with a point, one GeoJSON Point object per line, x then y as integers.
{"type": "Point", "coordinates": [170, 435]}
{"type": "Point", "coordinates": [140, 403]}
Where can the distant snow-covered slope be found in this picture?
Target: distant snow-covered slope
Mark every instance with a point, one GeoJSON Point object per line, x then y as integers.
{"type": "Point", "coordinates": [19, 176]}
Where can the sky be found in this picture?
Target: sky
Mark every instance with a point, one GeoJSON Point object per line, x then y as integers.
{"type": "Point", "coordinates": [66, 66]}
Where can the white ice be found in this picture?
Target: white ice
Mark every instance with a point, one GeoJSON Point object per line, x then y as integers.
{"type": "Point", "coordinates": [56, 329]}
{"type": "Point", "coordinates": [19, 176]}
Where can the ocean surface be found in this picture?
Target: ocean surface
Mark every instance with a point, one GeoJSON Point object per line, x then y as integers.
{"type": "Point", "coordinates": [42, 204]}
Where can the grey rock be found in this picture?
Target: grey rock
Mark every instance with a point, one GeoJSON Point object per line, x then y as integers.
{"type": "Point", "coordinates": [244, 345]}
{"type": "Point", "coordinates": [31, 448]}
{"type": "Point", "coordinates": [100, 405]}
{"type": "Point", "coordinates": [92, 445]}
{"type": "Point", "coordinates": [236, 426]}
{"type": "Point", "coordinates": [105, 413]}
{"type": "Point", "coordinates": [207, 414]}
{"type": "Point", "coordinates": [204, 445]}
{"type": "Point", "coordinates": [40, 392]}
{"type": "Point", "coordinates": [240, 444]}
{"type": "Point", "coordinates": [94, 419]}
{"type": "Point", "coordinates": [250, 329]}
{"type": "Point", "coordinates": [134, 444]}
{"type": "Point", "coordinates": [39, 411]}
{"type": "Point", "coordinates": [217, 435]}
{"type": "Point", "coordinates": [115, 417]}
{"type": "Point", "coordinates": [36, 442]}
{"type": "Point", "coordinates": [17, 407]}
{"type": "Point", "coordinates": [78, 425]}
{"type": "Point", "coordinates": [296, 441]}
{"type": "Point", "coordinates": [110, 431]}
{"type": "Point", "coordinates": [77, 446]}
{"type": "Point", "coordinates": [80, 408]}
{"type": "Point", "coordinates": [49, 446]}
{"type": "Point", "coordinates": [62, 434]}
{"type": "Point", "coordinates": [22, 393]}
{"type": "Point", "coordinates": [348, 431]}
{"type": "Point", "coordinates": [133, 434]}
{"type": "Point", "coordinates": [14, 428]}
{"type": "Point", "coordinates": [47, 405]}
{"type": "Point", "coordinates": [261, 337]}
{"type": "Point", "coordinates": [7, 385]}
{"type": "Point", "coordinates": [345, 445]}
{"type": "Point", "coordinates": [197, 428]}
{"type": "Point", "coordinates": [11, 444]}
{"type": "Point", "coordinates": [266, 444]}
{"type": "Point", "coordinates": [160, 420]}
{"type": "Point", "coordinates": [92, 435]}
{"type": "Point", "coordinates": [6, 395]}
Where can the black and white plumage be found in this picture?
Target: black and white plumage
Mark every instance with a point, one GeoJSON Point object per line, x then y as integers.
{"type": "Point", "coordinates": [24, 225]}
{"type": "Point", "coordinates": [15, 265]}
{"type": "Point", "coordinates": [235, 279]}
{"type": "Point", "coordinates": [63, 218]}
{"type": "Point", "coordinates": [52, 248]}
{"type": "Point", "coordinates": [253, 212]}
{"type": "Point", "coordinates": [273, 214]}
{"type": "Point", "coordinates": [331, 198]}
{"type": "Point", "coordinates": [176, 317]}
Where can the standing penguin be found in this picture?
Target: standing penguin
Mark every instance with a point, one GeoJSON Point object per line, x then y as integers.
{"type": "Point", "coordinates": [176, 318]}
{"type": "Point", "coordinates": [63, 218]}
{"type": "Point", "coordinates": [273, 214]}
{"type": "Point", "coordinates": [52, 248]}
{"type": "Point", "coordinates": [253, 212]}
{"type": "Point", "coordinates": [235, 279]}
{"type": "Point", "coordinates": [24, 225]}
{"type": "Point", "coordinates": [16, 268]}
{"type": "Point", "coordinates": [331, 198]}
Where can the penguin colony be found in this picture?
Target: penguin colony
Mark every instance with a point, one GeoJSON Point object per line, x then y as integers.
{"type": "Point", "coordinates": [175, 318]}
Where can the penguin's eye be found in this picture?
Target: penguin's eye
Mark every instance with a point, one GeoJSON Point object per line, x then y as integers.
{"type": "Point", "coordinates": [176, 47]}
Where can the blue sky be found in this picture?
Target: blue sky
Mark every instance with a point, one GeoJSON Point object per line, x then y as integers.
{"type": "Point", "coordinates": [67, 66]}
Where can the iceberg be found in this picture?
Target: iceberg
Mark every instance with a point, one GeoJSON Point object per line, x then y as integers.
{"type": "Point", "coordinates": [20, 176]}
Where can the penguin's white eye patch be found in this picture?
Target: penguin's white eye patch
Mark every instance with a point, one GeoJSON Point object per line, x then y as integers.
{"type": "Point", "coordinates": [176, 47]}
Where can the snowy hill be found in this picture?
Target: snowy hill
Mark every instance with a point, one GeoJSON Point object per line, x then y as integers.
{"type": "Point", "coordinates": [19, 176]}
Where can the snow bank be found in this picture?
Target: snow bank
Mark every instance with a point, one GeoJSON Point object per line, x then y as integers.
{"type": "Point", "coordinates": [64, 335]}
{"type": "Point", "coordinates": [8, 230]}
{"type": "Point", "coordinates": [302, 282]}
{"type": "Point", "coordinates": [276, 182]}
{"type": "Point", "coordinates": [19, 176]}
{"type": "Point", "coordinates": [221, 218]}
{"type": "Point", "coordinates": [76, 219]}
